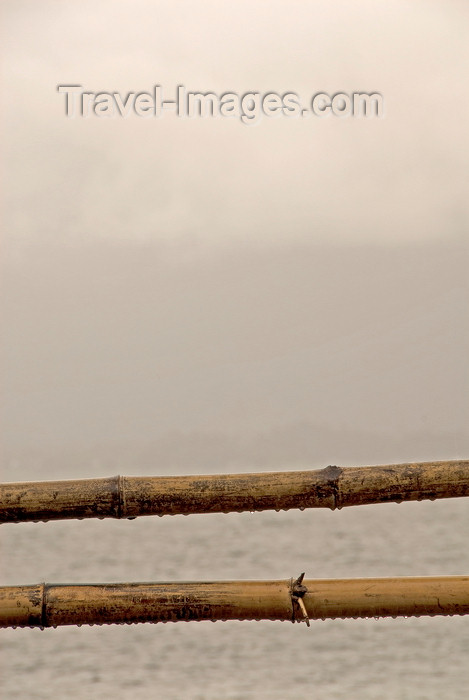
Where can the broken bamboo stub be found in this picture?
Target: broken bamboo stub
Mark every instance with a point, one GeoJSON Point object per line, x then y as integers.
{"type": "Point", "coordinates": [132, 496]}
{"type": "Point", "coordinates": [51, 605]}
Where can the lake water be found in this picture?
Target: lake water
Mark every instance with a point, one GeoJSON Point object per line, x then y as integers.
{"type": "Point", "coordinates": [411, 659]}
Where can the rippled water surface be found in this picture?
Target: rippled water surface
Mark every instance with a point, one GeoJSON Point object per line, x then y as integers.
{"type": "Point", "coordinates": [415, 659]}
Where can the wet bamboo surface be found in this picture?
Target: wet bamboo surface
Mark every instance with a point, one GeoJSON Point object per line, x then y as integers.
{"type": "Point", "coordinates": [132, 496]}
{"type": "Point", "coordinates": [51, 605]}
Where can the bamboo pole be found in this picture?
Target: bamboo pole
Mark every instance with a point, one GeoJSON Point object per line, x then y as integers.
{"type": "Point", "coordinates": [132, 496]}
{"type": "Point", "coordinates": [51, 605]}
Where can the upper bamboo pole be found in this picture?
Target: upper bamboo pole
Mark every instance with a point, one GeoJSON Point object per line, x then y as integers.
{"type": "Point", "coordinates": [131, 496]}
{"type": "Point", "coordinates": [50, 605]}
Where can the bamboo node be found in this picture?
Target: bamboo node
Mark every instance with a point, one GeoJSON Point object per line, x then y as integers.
{"type": "Point", "coordinates": [297, 593]}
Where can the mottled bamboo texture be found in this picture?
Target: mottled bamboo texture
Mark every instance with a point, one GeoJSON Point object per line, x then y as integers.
{"type": "Point", "coordinates": [50, 605]}
{"type": "Point", "coordinates": [132, 496]}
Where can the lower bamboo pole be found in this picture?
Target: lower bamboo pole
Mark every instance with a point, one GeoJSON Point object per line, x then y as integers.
{"type": "Point", "coordinates": [132, 496]}
{"type": "Point", "coordinates": [51, 605]}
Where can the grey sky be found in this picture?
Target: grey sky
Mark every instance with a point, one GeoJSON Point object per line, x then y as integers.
{"type": "Point", "coordinates": [170, 282]}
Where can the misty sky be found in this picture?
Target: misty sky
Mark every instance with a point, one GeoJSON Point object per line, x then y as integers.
{"type": "Point", "coordinates": [201, 292]}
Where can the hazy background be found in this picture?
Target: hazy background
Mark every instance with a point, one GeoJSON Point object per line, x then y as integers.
{"type": "Point", "coordinates": [201, 296]}
{"type": "Point", "coordinates": [201, 292]}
